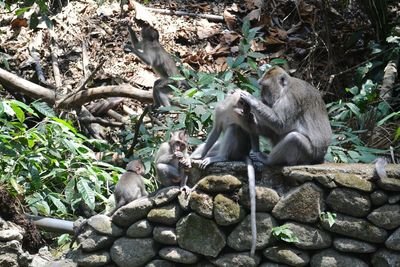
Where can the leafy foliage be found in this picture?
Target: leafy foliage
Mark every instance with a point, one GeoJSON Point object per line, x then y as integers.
{"type": "Point", "coordinates": [329, 217]}
{"type": "Point", "coordinates": [285, 234]}
{"type": "Point", "coordinates": [48, 162]}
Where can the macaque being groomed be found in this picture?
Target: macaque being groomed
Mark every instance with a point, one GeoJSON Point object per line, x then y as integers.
{"type": "Point", "coordinates": [293, 116]}
{"type": "Point", "coordinates": [155, 56]}
{"type": "Point", "coordinates": [172, 159]}
{"type": "Point", "coordinates": [130, 186]}
{"type": "Point", "coordinates": [233, 118]}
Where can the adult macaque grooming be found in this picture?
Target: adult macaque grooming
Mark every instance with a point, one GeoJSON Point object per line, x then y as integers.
{"type": "Point", "coordinates": [232, 118]}
{"type": "Point", "coordinates": [292, 114]}
{"type": "Point", "coordinates": [172, 159]}
{"type": "Point", "coordinates": [154, 55]}
{"type": "Point", "coordinates": [130, 186]}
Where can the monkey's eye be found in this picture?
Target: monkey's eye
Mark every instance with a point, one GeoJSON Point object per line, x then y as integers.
{"type": "Point", "coordinates": [282, 81]}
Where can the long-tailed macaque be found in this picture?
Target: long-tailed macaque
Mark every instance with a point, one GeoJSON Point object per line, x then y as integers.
{"type": "Point", "coordinates": [172, 159]}
{"type": "Point", "coordinates": [130, 186]}
{"type": "Point", "coordinates": [293, 116]}
{"type": "Point", "coordinates": [154, 55]}
{"type": "Point", "coordinates": [232, 118]}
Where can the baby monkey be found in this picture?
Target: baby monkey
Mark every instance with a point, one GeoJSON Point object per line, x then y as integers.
{"type": "Point", "coordinates": [130, 186]}
{"type": "Point", "coordinates": [151, 52]}
{"type": "Point", "coordinates": [172, 159]}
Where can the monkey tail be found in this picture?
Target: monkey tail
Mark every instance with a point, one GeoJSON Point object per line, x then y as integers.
{"type": "Point", "coordinates": [380, 171]}
{"type": "Point", "coordinates": [252, 190]}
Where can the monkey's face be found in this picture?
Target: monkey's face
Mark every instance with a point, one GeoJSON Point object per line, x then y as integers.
{"type": "Point", "coordinates": [273, 85]}
{"type": "Point", "coordinates": [179, 141]}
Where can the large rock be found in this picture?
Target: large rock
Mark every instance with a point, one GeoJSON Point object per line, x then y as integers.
{"type": "Point", "coordinates": [227, 211]}
{"type": "Point", "coordinates": [178, 255]}
{"type": "Point", "coordinates": [10, 234]}
{"type": "Point", "coordinates": [127, 252]}
{"type": "Point", "coordinates": [240, 237]}
{"type": "Point", "coordinates": [356, 228]}
{"type": "Point", "coordinates": [309, 236]}
{"type": "Point", "coordinates": [200, 235]}
{"type": "Point", "coordinates": [353, 181]}
{"type": "Point", "coordinates": [331, 258]}
{"type": "Point", "coordinates": [349, 201]}
{"type": "Point", "coordinates": [132, 212]}
{"type": "Point", "coordinates": [165, 235]}
{"type": "Point", "coordinates": [393, 242]}
{"type": "Point", "coordinates": [353, 246]}
{"type": "Point", "coordinates": [287, 255]}
{"type": "Point", "coordinates": [202, 204]}
{"type": "Point", "coordinates": [93, 259]}
{"type": "Point", "coordinates": [95, 242]}
{"type": "Point", "coordinates": [378, 198]}
{"type": "Point", "coordinates": [237, 259]}
{"type": "Point", "coordinates": [168, 214]}
{"type": "Point", "coordinates": [166, 195]}
{"type": "Point", "coordinates": [266, 198]}
{"type": "Point", "coordinates": [387, 216]}
{"type": "Point", "coordinates": [103, 225]}
{"type": "Point", "coordinates": [385, 258]}
{"type": "Point", "coordinates": [141, 228]}
{"type": "Point", "coordinates": [390, 184]}
{"type": "Point", "coordinates": [219, 183]}
{"type": "Point", "coordinates": [272, 264]}
{"type": "Point", "coordinates": [303, 204]}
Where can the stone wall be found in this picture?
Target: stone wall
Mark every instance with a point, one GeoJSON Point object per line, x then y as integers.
{"type": "Point", "coordinates": [211, 226]}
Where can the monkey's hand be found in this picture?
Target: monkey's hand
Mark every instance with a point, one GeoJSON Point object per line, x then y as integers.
{"type": "Point", "coordinates": [259, 157]}
{"type": "Point", "coordinates": [205, 163]}
{"type": "Point", "coordinates": [178, 154]}
{"type": "Point", "coordinates": [185, 162]}
{"type": "Point", "coordinates": [248, 98]}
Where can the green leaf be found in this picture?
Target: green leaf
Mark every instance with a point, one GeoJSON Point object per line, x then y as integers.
{"type": "Point", "coordinates": [44, 109]}
{"type": "Point", "coordinates": [18, 112]}
{"type": "Point", "coordinates": [66, 124]}
{"type": "Point", "coordinates": [33, 21]}
{"type": "Point", "coordinates": [278, 61]}
{"type": "Point", "coordinates": [60, 206]}
{"type": "Point", "coordinates": [86, 193]}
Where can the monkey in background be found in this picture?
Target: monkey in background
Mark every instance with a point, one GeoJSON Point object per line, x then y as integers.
{"type": "Point", "coordinates": [130, 186]}
{"type": "Point", "coordinates": [172, 159]}
{"type": "Point", "coordinates": [293, 116]}
{"type": "Point", "coordinates": [150, 51]}
{"type": "Point", "coordinates": [234, 119]}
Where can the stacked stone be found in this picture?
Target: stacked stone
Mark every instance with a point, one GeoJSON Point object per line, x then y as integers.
{"type": "Point", "coordinates": [211, 227]}
{"type": "Point", "coordinates": [11, 253]}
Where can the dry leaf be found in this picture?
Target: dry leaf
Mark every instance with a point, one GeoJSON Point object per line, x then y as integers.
{"type": "Point", "coordinates": [18, 23]}
{"type": "Point", "coordinates": [254, 15]}
{"type": "Point", "coordinates": [207, 29]}
{"type": "Point", "coordinates": [258, 46]}
{"type": "Point", "coordinates": [144, 78]}
{"type": "Point", "coordinates": [230, 20]}
{"type": "Point", "coordinates": [230, 36]}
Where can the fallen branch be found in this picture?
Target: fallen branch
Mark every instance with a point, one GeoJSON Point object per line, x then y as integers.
{"type": "Point", "coordinates": [183, 13]}
{"type": "Point", "coordinates": [123, 90]}
{"type": "Point", "coordinates": [101, 121]}
{"type": "Point", "coordinates": [389, 78]}
{"type": "Point", "coordinates": [12, 81]}
{"type": "Point", "coordinates": [54, 60]}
